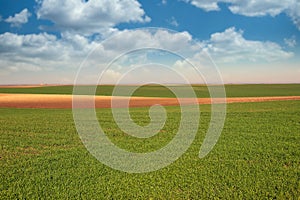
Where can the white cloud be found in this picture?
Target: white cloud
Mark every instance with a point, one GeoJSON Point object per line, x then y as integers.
{"type": "Point", "coordinates": [294, 13]}
{"type": "Point", "coordinates": [235, 55]}
{"type": "Point", "coordinates": [164, 2]}
{"type": "Point", "coordinates": [93, 16]}
{"type": "Point", "coordinates": [11, 43]}
{"type": "Point", "coordinates": [230, 46]}
{"type": "Point", "coordinates": [46, 52]}
{"type": "Point", "coordinates": [110, 77]}
{"type": "Point", "coordinates": [19, 18]}
{"type": "Point", "coordinates": [226, 48]}
{"type": "Point", "coordinates": [254, 7]}
{"type": "Point", "coordinates": [205, 4]}
{"type": "Point", "coordinates": [260, 8]}
{"type": "Point", "coordinates": [37, 53]}
{"type": "Point", "coordinates": [42, 51]}
{"type": "Point", "coordinates": [173, 22]}
{"type": "Point", "coordinates": [151, 38]}
{"type": "Point", "coordinates": [290, 42]}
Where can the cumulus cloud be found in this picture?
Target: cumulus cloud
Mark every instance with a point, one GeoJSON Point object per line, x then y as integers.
{"type": "Point", "coordinates": [150, 38]}
{"type": "Point", "coordinates": [31, 44]}
{"type": "Point", "coordinates": [230, 46]}
{"type": "Point", "coordinates": [47, 52]}
{"type": "Point", "coordinates": [290, 42]}
{"type": "Point", "coordinates": [42, 51]}
{"type": "Point", "coordinates": [294, 13]}
{"type": "Point", "coordinates": [110, 76]}
{"type": "Point", "coordinates": [19, 18]}
{"type": "Point", "coordinates": [231, 49]}
{"type": "Point", "coordinates": [205, 4]}
{"type": "Point", "coordinates": [93, 16]}
{"type": "Point", "coordinates": [173, 22]}
{"type": "Point", "coordinates": [254, 7]}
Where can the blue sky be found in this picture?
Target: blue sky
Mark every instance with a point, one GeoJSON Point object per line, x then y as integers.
{"type": "Point", "coordinates": [44, 41]}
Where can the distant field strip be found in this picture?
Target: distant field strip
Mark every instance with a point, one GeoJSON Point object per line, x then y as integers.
{"type": "Point", "coordinates": [201, 91]}
{"type": "Point", "coordinates": [65, 101]}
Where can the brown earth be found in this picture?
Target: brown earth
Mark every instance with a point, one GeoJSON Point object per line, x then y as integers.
{"type": "Point", "coordinates": [65, 101]}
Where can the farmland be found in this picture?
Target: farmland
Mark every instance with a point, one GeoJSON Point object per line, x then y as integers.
{"type": "Point", "coordinates": [246, 90]}
{"type": "Point", "coordinates": [257, 155]}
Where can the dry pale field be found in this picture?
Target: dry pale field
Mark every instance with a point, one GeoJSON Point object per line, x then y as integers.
{"type": "Point", "coordinates": [65, 101]}
{"type": "Point", "coordinates": [26, 86]}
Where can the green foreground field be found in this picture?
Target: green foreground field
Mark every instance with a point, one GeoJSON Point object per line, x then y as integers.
{"type": "Point", "coordinates": [256, 157]}
{"type": "Point", "coordinates": [254, 90]}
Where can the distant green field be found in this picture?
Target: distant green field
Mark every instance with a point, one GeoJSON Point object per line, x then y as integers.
{"type": "Point", "coordinates": [255, 90]}
{"type": "Point", "coordinates": [256, 157]}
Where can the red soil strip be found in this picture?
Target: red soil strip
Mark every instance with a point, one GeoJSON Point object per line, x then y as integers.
{"type": "Point", "coordinates": [65, 101]}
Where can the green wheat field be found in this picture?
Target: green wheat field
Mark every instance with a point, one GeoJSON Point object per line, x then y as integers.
{"type": "Point", "coordinates": [257, 155]}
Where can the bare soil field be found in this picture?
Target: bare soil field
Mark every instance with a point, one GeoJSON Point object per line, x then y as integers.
{"type": "Point", "coordinates": [65, 101]}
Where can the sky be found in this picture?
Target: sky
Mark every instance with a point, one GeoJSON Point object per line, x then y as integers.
{"type": "Point", "coordinates": [47, 41]}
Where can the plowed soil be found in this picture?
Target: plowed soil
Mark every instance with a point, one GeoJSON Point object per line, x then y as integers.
{"type": "Point", "coordinates": [65, 101]}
